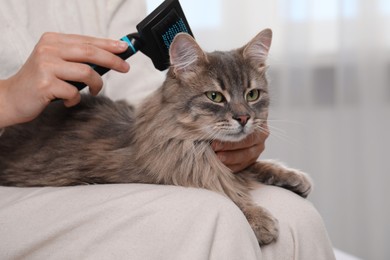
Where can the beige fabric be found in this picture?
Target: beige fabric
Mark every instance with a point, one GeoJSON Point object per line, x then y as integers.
{"type": "Point", "coordinates": [131, 221]}
{"type": "Point", "coordinates": [302, 232]}
{"type": "Point", "coordinates": [138, 221]}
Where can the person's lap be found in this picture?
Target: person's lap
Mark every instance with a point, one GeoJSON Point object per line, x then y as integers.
{"type": "Point", "coordinates": [140, 221]}
{"type": "Point", "coordinates": [302, 232]}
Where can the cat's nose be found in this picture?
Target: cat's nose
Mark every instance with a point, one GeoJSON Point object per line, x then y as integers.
{"type": "Point", "coordinates": [242, 119]}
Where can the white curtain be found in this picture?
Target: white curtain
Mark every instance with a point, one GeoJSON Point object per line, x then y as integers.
{"type": "Point", "coordinates": [330, 84]}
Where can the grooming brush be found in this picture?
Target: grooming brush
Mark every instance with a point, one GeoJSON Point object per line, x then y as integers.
{"type": "Point", "coordinates": [155, 34]}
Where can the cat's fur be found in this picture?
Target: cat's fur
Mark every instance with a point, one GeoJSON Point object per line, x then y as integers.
{"type": "Point", "coordinates": [165, 141]}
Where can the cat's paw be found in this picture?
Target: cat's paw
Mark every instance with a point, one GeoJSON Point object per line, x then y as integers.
{"type": "Point", "coordinates": [298, 182]}
{"type": "Point", "coordinates": [274, 173]}
{"type": "Point", "coordinates": [293, 180]}
{"type": "Point", "coordinates": [264, 225]}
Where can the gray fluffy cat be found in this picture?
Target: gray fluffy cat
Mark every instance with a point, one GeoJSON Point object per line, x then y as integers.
{"type": "Point", "coordinates": [206, 96]}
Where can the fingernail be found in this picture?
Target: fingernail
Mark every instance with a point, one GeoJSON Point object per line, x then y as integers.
{"type": "Point", "coordinates": [122, 45]}
{"type": "Point", "coordinates": [125, 66]}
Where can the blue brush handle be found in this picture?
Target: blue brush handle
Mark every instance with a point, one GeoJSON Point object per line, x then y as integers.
{"type": "Point", "coordinates": [132, 40]}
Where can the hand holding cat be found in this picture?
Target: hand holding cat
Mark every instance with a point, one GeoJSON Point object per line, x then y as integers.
{"type": "Point", "coordinates": [55, 59]}
{"type": "Point", "coordinates": [238, 156]}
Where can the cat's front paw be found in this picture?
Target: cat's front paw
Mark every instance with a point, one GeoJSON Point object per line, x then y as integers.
{"type": "Point", "coordinates": [296, 181]}
{"type": "Point", "coordinates": [274, 173]}
{"type": "Point", "coordinates": [264, 225]}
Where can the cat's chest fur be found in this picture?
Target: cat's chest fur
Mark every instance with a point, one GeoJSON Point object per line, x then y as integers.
{"type": "Point", "coordinates": [168, 150]}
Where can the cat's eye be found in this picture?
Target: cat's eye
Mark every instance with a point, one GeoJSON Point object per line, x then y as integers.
{"type": "Point", "coordinates": [252, 95]}
{"type": "Point", "coordinates": [217, 97]}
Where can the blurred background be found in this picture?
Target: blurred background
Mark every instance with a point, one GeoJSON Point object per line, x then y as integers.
{"type": "Point", "coordinates": [330, 84]}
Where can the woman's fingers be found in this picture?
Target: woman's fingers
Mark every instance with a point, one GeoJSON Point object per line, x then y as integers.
{"type": "Point", "coordinates": [83, 49]}
{"type": "Point", "coordinates": [249, 141]}
{"type": "Point", "coordinates": [88, 53]}
{"type": "Point", "coordinates": [114, 46]}
{"type": "Point", "coordinates": [67, 92]}
{"type": "Point", "coordinates": [79, 72]}
{"type": "Point", "coordinates": [70, 55]}
{"type": "Point", "coordinates": [239, 155]}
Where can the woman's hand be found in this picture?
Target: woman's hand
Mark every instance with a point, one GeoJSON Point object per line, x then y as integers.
{"type": "Point", "coordinates": [238, 156]}
{"type": "Point", "coordinates": [57, 58]}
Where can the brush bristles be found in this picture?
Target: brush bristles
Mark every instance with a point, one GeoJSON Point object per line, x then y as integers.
{"type": "Point", "coordinates": [170, 34]}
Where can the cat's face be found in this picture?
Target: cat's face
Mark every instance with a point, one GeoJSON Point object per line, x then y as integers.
{"type": "Point", "coordinates": [219, 95]}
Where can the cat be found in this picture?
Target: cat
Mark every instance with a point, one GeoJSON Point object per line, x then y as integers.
{"type": "Point", "coordinates": [166, 140]}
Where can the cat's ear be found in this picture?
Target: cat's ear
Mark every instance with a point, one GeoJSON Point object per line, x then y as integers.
{"type": "Point", "coordinates": [185, 54]}
{"type": "Point", "coordinates": [257, 49]}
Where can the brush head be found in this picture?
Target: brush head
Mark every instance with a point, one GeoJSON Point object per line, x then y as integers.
{"type": "Point", "coordinates": [158, 30]}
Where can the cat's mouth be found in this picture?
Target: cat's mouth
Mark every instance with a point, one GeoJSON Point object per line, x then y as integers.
{"type": "Point", "coordinates": [228, 132]}
{"type": "Point", "coordinates": [235, 135]}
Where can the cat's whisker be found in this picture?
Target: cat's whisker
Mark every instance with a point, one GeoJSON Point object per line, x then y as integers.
{"type": "Point", "coordinates": [277, 130]}
{"type": "Point", "coordinates": [259, 124]}
{"type": "Point", "coordinates": [278, 121]}
{"type": "Point", "coordinates": [286, 121]}
{"type": "Point", "coordinates": [279, 134]}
